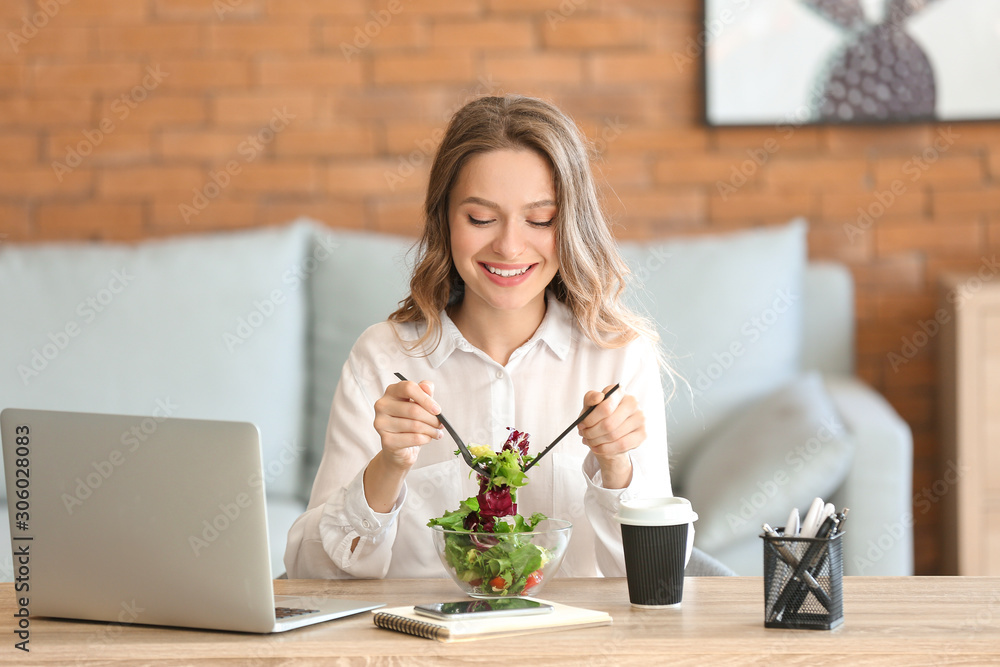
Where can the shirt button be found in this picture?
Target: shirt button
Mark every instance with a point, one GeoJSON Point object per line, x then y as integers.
{"type": "Point", "coordinates": [499, 375]}
{"type": "Point", "coordinates": [366, 524]}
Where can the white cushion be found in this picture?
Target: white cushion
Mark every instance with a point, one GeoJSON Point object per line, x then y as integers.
{"type": "Point", "coordinates": [779, 453]}
{"type": "Point", "coordinates": [359, 285]}
{"type": "Point", "coordinates": [208, 326]}
{"type": "Point", "coordinates": [729, 309]}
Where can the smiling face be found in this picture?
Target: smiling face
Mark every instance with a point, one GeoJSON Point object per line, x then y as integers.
{"type": "Point", "coordinates": [501, 216]}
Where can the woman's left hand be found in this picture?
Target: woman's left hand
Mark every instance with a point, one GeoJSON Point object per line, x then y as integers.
{"type": "Point", "coordinates": [611, 434]}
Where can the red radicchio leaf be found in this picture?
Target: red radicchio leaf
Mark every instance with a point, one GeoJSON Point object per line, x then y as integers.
{"type": "Point", "coordinates": [517, 439]}
{"type": "Point", "coordinates": [497, 502]}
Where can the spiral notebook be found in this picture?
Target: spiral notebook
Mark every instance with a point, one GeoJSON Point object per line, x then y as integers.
{"type": "Point", "coordinates": [562, 617]}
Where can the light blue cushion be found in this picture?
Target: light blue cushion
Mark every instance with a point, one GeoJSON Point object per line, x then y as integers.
{"type": "Point", "coordinates": [729, 309]}
{"type": "Point", "coordinates": [779, 453]}
{"type": "Point", "coordinates": [359, 283]}
{"type": "Point", "coordinates": [205, 326]}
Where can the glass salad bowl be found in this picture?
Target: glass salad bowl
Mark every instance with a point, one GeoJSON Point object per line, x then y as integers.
{"type": "Point", "coordinates": [497, 565]}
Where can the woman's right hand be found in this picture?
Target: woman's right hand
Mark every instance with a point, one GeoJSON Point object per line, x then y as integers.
{"type": "Point", "coordinates": [405, 419]}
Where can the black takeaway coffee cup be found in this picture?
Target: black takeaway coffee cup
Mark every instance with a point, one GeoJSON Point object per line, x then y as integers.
{"type": "Point", "coordinates": [657, 537]}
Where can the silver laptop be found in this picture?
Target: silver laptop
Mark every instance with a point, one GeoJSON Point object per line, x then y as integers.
{"type": "Point", "coordinates": [146, 520]}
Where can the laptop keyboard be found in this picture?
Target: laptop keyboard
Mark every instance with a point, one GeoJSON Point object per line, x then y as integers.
{"type": "Point", "coordinates": [289, 612]}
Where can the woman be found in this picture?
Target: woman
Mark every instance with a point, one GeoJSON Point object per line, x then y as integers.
{"type": "Point", "coordinates": [514, 320]}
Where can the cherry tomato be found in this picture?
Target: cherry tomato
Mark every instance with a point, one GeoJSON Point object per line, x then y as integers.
{"type": "Point", "coordinates": [498, 584]}
{"type": "Point", "coordinates": [533, 580]}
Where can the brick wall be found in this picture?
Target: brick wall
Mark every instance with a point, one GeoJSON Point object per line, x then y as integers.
{"type": "Point", "coordinates": [124, 119]}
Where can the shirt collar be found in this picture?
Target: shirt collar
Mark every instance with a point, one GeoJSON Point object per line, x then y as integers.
{"type": "Point", "coordinates": [556, 331]}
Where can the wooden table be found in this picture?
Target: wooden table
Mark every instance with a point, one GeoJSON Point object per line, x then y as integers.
{"type": "Point", "coordinates": [893, 621]}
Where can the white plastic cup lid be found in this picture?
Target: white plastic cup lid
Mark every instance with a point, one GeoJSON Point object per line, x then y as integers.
{"type": "Point", "coordinates": [656, 512]}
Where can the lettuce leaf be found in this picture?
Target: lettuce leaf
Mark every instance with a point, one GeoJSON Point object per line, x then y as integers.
{"type": "Point", "coordinates": [455, 519]}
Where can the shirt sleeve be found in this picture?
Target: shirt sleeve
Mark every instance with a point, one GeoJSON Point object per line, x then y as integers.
{"type": "Point", "coordinates": [319, 542]}
{"type": "Point", "coordinates": [650, 465]}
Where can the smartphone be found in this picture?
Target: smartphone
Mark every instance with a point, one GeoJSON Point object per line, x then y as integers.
{"type": "Point", "coordinates": [482, 608]}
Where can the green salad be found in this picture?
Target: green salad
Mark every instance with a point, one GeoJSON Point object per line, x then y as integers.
{"type": "Point", "coordinates": [505, 562]}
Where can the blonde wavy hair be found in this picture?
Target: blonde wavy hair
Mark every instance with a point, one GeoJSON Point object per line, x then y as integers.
{"type": "Point", "coordinates": [592, 274]}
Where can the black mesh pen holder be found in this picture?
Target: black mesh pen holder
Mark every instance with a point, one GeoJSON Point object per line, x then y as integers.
{"type": "Point", "coordinates": [803, 582]}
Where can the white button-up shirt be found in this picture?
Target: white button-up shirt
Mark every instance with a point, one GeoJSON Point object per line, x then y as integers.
{"type": "Point", "coordinates": [540, 391]}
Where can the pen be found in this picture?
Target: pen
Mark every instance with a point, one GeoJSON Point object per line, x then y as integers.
{"type": "Point", "coordinates": [791, 560]}
{"type": "Point", "coordinates": [793, 587]}
{"type": "Point", "coordinates": [812, 561]}
{"type": "Point", "coordinates": [827, 528]}
{"type": "Point", "coordinates": [792, 525]}
{"type": "Point", "coordinates": [838, 527]}
{"type": "Point", "coordinates": [842, 516]}
{"type": "Point", "coordinates": [813, 518]}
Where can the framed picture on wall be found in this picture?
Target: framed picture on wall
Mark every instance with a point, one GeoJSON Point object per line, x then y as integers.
{"type": "Point", "coordinates": [851, 61]}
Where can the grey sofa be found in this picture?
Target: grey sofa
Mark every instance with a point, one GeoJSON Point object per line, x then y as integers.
{"type": "Point", "coordinates": [256, 325]}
